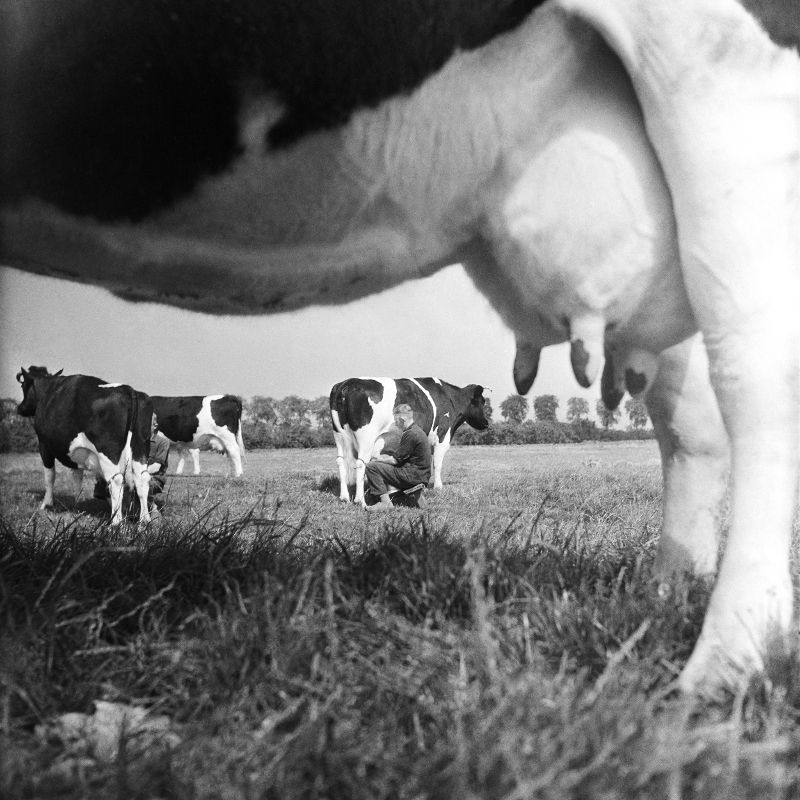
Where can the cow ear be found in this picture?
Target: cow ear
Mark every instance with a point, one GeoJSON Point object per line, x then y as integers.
{"type": "Point", "coordinates": [56, 374]}
{"type": "Point", "coordinates": [21, 375]}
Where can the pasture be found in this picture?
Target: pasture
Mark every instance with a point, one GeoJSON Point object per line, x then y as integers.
{"type": "Point", "coordinates": [506, 642]}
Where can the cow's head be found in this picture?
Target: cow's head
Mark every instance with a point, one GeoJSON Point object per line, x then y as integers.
{"type": "Point", "coordinates": [27, 378]}
{"type": "Point", "coordinates": [475, 410]}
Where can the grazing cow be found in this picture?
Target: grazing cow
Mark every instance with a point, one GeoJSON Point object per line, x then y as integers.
{"type": "Point", "coordinates": [195, 422]}
{"type": "Point", "coordinates": [616, 173]}
{"type": "Point", "coordinates": [90, 425]}
{"type": "Point", "coordinates": [361, 412]}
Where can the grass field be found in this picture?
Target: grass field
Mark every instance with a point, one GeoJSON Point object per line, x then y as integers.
{"type": "Point", "coordinates": [507, 642]}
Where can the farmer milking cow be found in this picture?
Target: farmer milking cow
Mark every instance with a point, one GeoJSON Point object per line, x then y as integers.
{"type": "Point", "coordinates": [614, 173]}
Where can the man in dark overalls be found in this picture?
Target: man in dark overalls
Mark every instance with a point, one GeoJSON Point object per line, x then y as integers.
{"type": "Point", "coordinates": [410, 465]}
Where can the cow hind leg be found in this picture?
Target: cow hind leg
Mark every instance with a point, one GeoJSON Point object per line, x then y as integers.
{"type": "Point", "coordinates": [231, 448]}
{"type": "Point", "coordinates": [49, 482]}
{"type": "Point", "coordinates": [195, 456]}
{"type": "Point", "coordinates": [722, 109]}
{"type": "Point", "coordinates": [141, 485]}
{"type": "Point", "coordinates": [439, 451]}
{"type": "Point", "coordinates": [116, 484]}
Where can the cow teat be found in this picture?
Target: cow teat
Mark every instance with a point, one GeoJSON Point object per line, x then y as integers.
{"type": "Point", "coordinates": [526, 365]}
{"type": "Point", "coordinates": [586, 347]}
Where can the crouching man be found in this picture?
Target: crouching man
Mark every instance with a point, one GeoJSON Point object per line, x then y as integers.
{"type": "Point", "coordinates": [410, 465]}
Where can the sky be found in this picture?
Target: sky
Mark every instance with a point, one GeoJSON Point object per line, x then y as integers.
{"type": "Point", "coordinates": [440, 326]}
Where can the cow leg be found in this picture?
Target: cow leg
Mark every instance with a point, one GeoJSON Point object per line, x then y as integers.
{"type": "Point", "coordinates": [194, 452]}
{"type": "Point", "coordinates": [181, 459]}
{"type": "Point", "coordinates": [141, 484]}
{"type": "Point", "coordinates": [77, 482]}
{"type": "Point", "coordinates": [49, 482]}
{"type": "Point", "coordinates": [231, 447]}
{"type": "Point", "coordinates": [439, 451]}
{"type": "Point", "coordinates": [343, 464]}
{"type": "Point", "coordinates": [115, 488]}
{"type": "Point", "coordinates": [722, 109]}
{"type": "Point", "coordinates": [694, 460]}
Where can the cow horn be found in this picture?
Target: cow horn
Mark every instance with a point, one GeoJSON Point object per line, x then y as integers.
{"type": "Point", "coordinates": [586, 347]}
{"type": "Point", "coordinates": [526, 365]}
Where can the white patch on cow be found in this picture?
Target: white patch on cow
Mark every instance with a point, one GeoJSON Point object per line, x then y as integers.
{"type": "Point", "coordinates": [210, 436]}
{"type": "Point", "coordinates": [109, 385]}
{"type": "Point", "coordinates": [432, 430]}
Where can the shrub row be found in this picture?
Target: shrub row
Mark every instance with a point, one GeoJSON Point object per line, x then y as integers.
{"type": "Point", "coordinates": [17, 434]}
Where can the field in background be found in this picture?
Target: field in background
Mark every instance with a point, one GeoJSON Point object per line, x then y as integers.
{"type": "Point", "coordinates": [507, 642]}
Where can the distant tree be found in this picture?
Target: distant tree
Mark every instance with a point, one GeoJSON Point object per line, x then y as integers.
{"type": "Point", "coordinates": [544, 407]}
{"type": "Point", "coordinates": [293, 409]}
{"type": "Point", "coordinates": [577, 409]}
{"type": "Point", "coordinates": [608, 417]}
{"type": "Point", "coordinates": [487, 408]}
{"type": "Point", "coordinates": [261, 409]}
{"type": "Point", "coordinates": [514, 408]}
{"type": "Point", "coordinates": [320, 411]}
{"type": "Point", "coordinates": [637, 412]}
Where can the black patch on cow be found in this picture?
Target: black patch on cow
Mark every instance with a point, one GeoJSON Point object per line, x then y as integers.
{"type": "Point", "coordinates": [410, 393]}
{"type": "Point", "coordinates": [609, 391]}
{"type": "Point", "coordinates": [177, 416]}
{"type": "Point", "coordinates": [579, 358]}
{"type": "Point", "coordinates": [227, 410]}
{"type": "Point", "coordinates": [71, 404]}
{"type": "Point", "coordinates": [116, 109]}
{"type": "Point", "coordinates": [635, 382]}
{"type": "Point", "coordinates": [351, 401]}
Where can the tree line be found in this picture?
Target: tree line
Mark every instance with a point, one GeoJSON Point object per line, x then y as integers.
{"type": "Point", "coordinates": [294, 421]}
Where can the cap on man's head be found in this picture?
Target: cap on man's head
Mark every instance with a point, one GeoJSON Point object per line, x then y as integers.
{"type": "Point", "coordinates": [403, 408]}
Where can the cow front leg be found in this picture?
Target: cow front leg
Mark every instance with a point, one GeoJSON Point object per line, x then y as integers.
{"type": "Point", "coordinates": [361, 468]}
{"type": "Point", "coordinates": [694, 460]}
{"type": "Point", "coordinates": [195, 454]}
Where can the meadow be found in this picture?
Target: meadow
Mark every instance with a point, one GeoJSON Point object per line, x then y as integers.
{"type": "Point", "coordinates": [508, 641]}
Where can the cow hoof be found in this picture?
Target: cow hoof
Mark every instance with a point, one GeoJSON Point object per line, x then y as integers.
{"type": "Point", "coordinates": [745, 628]}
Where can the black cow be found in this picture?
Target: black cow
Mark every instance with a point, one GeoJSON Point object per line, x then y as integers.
{"type": "Point", "coordinates": [361, 411]}
{"type": "Point", "coordinates": [198, 421]}
{"type": "Point", "coordinates": [88, 424]}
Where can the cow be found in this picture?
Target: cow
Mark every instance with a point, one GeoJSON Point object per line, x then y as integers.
{"type": "Point", "coordinates": [362, 416]}
{"type": "Point", "coordinates": [93, 426]}
{"type": "Point", "coordinates": [620, 174]}
{"type": "Point", "coordinates": [197, 421]}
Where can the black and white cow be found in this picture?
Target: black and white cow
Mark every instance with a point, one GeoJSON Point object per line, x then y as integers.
{"type": "Point", "coordinates": [90, 425]}
{"type": "Point", "coordinates": [361, 413]}
{"type": "Point", "coordinates": [196, 422]}
{"type": "Point", "coordinates": [616, 173]}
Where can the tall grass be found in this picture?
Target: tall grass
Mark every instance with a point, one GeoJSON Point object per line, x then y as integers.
{"type": "Point", "coordinates": [508, 642]}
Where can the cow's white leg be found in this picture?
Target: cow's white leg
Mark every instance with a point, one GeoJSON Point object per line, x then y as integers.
{"type": "Point", "coordinates": [77, 482]}
{"type": "Point", "coordinates": [439, 451]}
{"type": "Point", "coordinates": [116, 484]}
{"type": "Point", "coordinates": [195, 454]}
{"type": "Point", "coordinates": [231, 449]}
{"type": "Point", "coordinates": [722, 108]}
{"type": "Point", "coordinates": [361, 468]}
{"type": "Point", "coordinates": [342, 458]}
{"type": "Point", "coordinates": [181, 452]}
{"type": "Point", "coordinates": [49, 482]}
{"type": "Point", "coordinates": [141, 484]}
{"type": "Point", "coordinates": [694, 459]}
